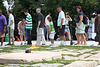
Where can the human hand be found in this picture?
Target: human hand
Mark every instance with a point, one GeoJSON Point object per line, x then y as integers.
{"type": "Point", "coordinates": [61, 27]}
{"type": "Point", "coordinates": [4, 30]}
{"type": "Point", "coordinates": [37, 27]}
{"type": "Point", "coordinates": [77, 26]}
{"type": "Point", "coordinates": [8, 26]}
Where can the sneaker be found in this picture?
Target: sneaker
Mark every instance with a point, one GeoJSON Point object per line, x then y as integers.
{"type": "Point", "coordinates": [64, 43]}
{"type": "Point", "coordinates": [21, 44]}
{"type": "Point", "coordinates": [47, 40]}
{"type": "Point", "coordinates": [25, 44]}
{"type": "Point", "coordinates": [43, 44]}
{"type": "Point", "coordinates": [51, 44]}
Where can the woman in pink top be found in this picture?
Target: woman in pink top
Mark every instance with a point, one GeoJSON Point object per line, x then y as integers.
{"type": "Point", "coordinates": [21, 26]}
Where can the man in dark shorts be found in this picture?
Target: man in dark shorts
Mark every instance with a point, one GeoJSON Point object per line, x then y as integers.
{"type": "Point", "coordinates": [61, 25]}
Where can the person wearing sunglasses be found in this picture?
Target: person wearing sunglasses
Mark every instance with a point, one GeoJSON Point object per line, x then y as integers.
{"type": "Point", "coordinates": [67, 19]}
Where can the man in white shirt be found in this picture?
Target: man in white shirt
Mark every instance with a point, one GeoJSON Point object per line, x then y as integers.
{"type": "Point", "coordinates": [47, 24]}
{"type": "Point", "coordinates": [61, 25]}
{"type": "Point", "coordinates": [11, 25]}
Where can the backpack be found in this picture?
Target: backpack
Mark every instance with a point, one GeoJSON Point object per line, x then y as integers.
{"type": "Point", "coordinates": [84, 19]}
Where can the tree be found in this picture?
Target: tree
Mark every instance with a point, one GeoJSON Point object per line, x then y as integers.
{"type": "Point", "coordinates": [50, 6]}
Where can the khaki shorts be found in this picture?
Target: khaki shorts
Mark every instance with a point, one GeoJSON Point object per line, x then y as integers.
{"type": "Point", "coordinates": [21, 31]}
{"type": "Point", "coordinates": [47, 28]}
{"type": "Point", "coordinates": [11, 33]}
{"type": "Point", "coordinates": [2, 35]}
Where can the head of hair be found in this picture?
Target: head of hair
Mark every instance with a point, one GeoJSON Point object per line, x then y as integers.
{"type": "Point", "coordinates": [0, 10]}
{"type": "Point", "coordinates": [25, 11]}
{"type": "Point", "coordinates": [79, 7]}
{"type": "Point", "coordinates": [67, 13]}
{"type": "Point", "coordinates": [97, 10]}
{"type": "Point", "coordinates": [10, 11]}
{"type": "Point", "coordinates": [59, 7]}
{"type": "Point", "coordinates": [38, 9]}
{"type": "Point", "coordinates": [49, 18]}
{"type": "Point", "coordinates": [49, 13]}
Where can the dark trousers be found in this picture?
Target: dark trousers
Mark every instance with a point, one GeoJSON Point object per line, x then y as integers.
{"type": "Point", "coordinates": [29, 36]}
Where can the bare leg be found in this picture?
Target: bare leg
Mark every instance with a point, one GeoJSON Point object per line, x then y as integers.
{"type": "Point", "coordinates": [25, 38]}
{"type": "Point", "coordinates": [13, 40]}
{"type": "Point", "coordinates": [83, 37]}
{"type": "Point", "coordinates": [78, 38]}
{"type": "Point", "coordinates": [63, 38]}
{"type": "Point", "coordinates": [69, 37]}
{"type": "Point", "coordinates": [99, 43]}
{"type": "Point", "coordinates": [52, 41]}
{"type": "Point", "coordinates": [21, 37]}
{"type": "Point", "coordinates": [2, 41]}
{"type": "Point", "coordinates": [86, 34]}
{"type": "Point", "coordinates": [47, 37]}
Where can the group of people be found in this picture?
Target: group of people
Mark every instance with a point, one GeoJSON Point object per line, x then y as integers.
{"type": "Point", "coordinates": [45, 27]}
{"type": "Point", "coordinates": [10, 26]}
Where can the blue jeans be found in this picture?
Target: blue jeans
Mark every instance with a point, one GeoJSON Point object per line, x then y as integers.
{"type": "Point", "coordinates": [45, 31]}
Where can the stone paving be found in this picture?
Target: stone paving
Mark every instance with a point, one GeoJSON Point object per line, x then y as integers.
{"type": "Point", "coordinates": [29, 57]}
{"type": "Point", "coordinates": [82, 58]}
{"type": "Point", "coordinates": [89, 43]}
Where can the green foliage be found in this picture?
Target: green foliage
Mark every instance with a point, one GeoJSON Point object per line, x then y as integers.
{"type": "Point", "coordinates": [50, 6]}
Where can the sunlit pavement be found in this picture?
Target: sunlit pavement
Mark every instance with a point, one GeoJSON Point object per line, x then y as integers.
{"type": "Point", "coordinates": [89, 43]}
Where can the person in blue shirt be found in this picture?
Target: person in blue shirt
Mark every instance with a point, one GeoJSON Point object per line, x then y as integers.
{"type": "Point", "coordinates": [61, 25]}
{"type": "Point", "coordinates": [80, 30]}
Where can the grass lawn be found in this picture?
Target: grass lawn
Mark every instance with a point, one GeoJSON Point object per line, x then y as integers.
{"type": "Point", "coordinates": [48, 48]}
{"type": "Point", "coordinates": [44, 48]}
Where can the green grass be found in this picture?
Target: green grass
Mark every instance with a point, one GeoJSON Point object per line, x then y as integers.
{"type": "Point", "coordinates": [62, 61]}
{"type": "Point", "coordinates": [43, 48]}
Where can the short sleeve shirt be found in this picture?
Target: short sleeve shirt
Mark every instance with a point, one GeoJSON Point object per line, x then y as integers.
{"type": "Point", "coordinates": [51, 23]}
{"type": "Point", "coordinates": [29, 22]}
{"type": "Point", "coordinates": [3, 22]}
{"type": "Point", "coordinates": [21, 25]}
{"type": "Point", "coordinates": [11, 17]}
{"type": "Point", "coordinates": [46, 20]}
{"type": "Point", "coordinates": [78, 17]}
{"type": "Point", "coordinates": [60, 17]}
{"type": "Point", "coordinates": [88, 20]}
{"type": "Point", "coordinates": [40, 18]}
{"type": "Point", "coordinates": [66, 21]}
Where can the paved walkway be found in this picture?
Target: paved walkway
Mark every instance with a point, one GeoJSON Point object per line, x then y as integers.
{"type": "Point", "coordinates": [83, 58]}
{"type": "Point", "coordinates": [89, 43]}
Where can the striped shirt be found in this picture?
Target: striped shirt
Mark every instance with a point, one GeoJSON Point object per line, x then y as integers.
{"type": "Point", "coordinates": [29, 22]}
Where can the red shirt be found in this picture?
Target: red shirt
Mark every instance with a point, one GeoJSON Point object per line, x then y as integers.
{"type": "Point", "coordinates": [44, 23]}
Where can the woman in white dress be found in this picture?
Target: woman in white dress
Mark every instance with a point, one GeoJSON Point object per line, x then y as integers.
{"type": "Point", "coordinates": [93, 26]}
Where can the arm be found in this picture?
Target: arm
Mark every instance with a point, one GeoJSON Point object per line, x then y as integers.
{"type": "Point", "coordinates": [87, 23]}
{"type": "Point", "coordinates": [91, 21]}
{"type": "Point", "coordinates": [75, 19]}
{"type": "Point", "coordinates": [11, 23]}
{"type": "Point", "coordinates": [4, 28]}
{"type": "Point", "coordinates": [19, 26]}
{"type": "Point", "coordinates": [61, 23]}
{"type": "Point", "coordinates": [5, 23]}
{"type": "Point", "coordinates": [39, 22]}
{"type": "Point", "coordinates": [50, 29]}
{"type": "Point", "coordinates": [70, 19]}
{"type": "Point", "coordinates": [81, 19]}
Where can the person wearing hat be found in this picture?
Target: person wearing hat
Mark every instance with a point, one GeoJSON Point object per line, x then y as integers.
{"type": "Point", "coordinates": [93, 25]}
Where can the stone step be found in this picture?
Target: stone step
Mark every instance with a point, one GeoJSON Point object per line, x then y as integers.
{"type": "Point", "coordinates": [82, 64]}
{"type": "Point", "coordinates": [35, 56]}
